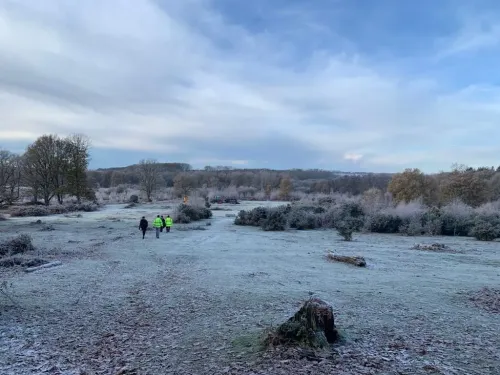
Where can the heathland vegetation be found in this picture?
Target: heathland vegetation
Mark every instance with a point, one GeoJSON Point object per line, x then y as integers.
{"type": "Point", "coordinates": [52, 177]}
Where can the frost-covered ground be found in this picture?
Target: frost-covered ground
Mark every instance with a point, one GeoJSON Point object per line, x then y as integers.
{"type": "Point", "coordinates": [195, 302]}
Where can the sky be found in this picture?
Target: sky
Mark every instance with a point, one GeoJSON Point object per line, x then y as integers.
{"type": "Point", "coordinates": [353, 85]}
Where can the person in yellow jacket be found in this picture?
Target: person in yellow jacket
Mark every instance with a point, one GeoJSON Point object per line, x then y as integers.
{"type": "Point", "coordinates": [157, 224]}
{"type": "Point", "coordinates": [168, 223]}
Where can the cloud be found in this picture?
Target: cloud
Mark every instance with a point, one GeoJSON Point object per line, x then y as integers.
{"type": "Point", "coordinates": [353, 157]}
{"type": "Point", "coordinates": [266, 84]}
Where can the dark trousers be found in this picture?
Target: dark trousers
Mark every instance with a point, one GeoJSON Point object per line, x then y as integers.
{"type": "Point", "coordinates": [143, 232]}
{"type": "Point", "coordinates": [167, 229]}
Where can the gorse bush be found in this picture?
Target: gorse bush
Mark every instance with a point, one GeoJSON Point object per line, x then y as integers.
{"type": "Point", "coordinates": [486, 227]}
{"type": "Point", "coordinates": [384, 222]}
{"type": "Point", "coordinates": [269, 219]}
{"type": "Point", "coordinates": [349, 216]}
{"type": "Point", "coordinates": [38, 211]}
{"type": "Point", "coordinates": [186, 213]}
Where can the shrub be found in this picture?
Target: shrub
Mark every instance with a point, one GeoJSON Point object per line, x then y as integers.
{"type": "Point", "coordinates": [269, 219]}
{"type": "Point", "coordinates": [302, 219]}
{"type": "Point", "coordinates": [412, 225]}
{"type": "Point", "coordinates": [38, 211]}
{"type": "Point", "coordinates": [485, 228]}
{"type": "Point", "coordinates": [186, 213]}
{"type": "Point", "coordinates": [133, 198]}
{"type": "Point", "coordinates": [350, 218]}
{"type": "Point", "coordinates": [29, 211]}
{"type": "Point", "coordinates": [431, 222]}
{"type": "Point", "coordinates": [276, 220]}
{"type": "Point", "coordinates": [182, 218]}
{"type": "Point", "coordinates": [384, 222]}
{"type": "Point", "coordinates": [254, 217]}
{"type": "Point", "coordinates": [120, 189]}
{"type": "Point", "coordinates": [16, 245]}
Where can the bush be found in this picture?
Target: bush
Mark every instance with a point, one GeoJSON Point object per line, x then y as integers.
{"type": "Point", "coordinates": [16, 245]}
{"type": "Point", "coordinates": [133, 198]}
{"type": "Point", "coordinates": [29, 211]}
{"type": "Point", "coordinates": [412, 225]}
{"type": "Point", "coordinates": [350, 218]}
{"type": "Point", "coordinates": [485, 229]}
{"type": "Point", "coordinates": [186, 213]}
{"type": "Point", "coordinates": [269, 219]}
{"type": "Point", "coordinates": [384, 222]}
{"type": "Point", "coordinates": [276, 220]}
{"type": "Point", "coordinates": [38, 211]}
{"type": "Point", "coordinates": [302, 219]}
{"type": "Point", "coordinates": [254, 217]}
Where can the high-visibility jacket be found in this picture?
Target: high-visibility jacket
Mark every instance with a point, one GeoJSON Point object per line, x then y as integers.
{"type": "Point", "coordinates": [157, 223]}
{"type": "Point", "coordinates": [168, 221]}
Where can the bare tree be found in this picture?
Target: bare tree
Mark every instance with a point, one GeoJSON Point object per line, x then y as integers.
{"type": "Point", "coordinates": [10, 177]}
{"type": "Point", "coordinates": [183, 184]}
{"type": "Point", "coordinates": [150, 174]}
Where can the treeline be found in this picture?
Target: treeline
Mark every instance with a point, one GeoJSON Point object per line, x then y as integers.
{"type": "Point", "coordinates": [51, 168]}
{"type": "Point", "coordinates": [247, 181]}
{"type": "Point", "coordinates": [472, 186]}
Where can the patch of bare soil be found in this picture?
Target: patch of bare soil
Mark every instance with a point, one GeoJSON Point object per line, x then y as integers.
{"type": "Point", "coordinates": [487, 299]}
{"type": "Point", "coordinates": [353, 260]}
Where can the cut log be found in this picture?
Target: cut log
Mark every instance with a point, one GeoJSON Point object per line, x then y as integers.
{"type": "Point", "coordinates": [312, 326]}
{"type": "Point", "coordinates": [46, 265]}
{"type": "Point", "coordinates": [354, 260]}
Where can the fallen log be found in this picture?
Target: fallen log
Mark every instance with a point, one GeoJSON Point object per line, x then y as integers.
{"type": "Point", "coordinates": [312, 326]}
{"type": "Point", "coordinates": [46, 265]}
{"type": "Point", "coordinates": [354, 260]}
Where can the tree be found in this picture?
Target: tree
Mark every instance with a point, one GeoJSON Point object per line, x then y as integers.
{"type": "Point", "coordinates": [55, 167]}
{"type": "Point", "coordinates": [150, 174]}
{"type": "Point", "coordinates": [467, 185]}
{"type": "Point", "coordinates": [285, 188]}
{"type": "Point", "coordinates": [77, 154]}
{"type": "Point", "coordinates": [183, 184]}
{"type": "Point", "coordinates": [43, 163]}
{"type": "Point", "coordinates": [10, 177]}
{"type": "Point", "coordinates": [409, 185]}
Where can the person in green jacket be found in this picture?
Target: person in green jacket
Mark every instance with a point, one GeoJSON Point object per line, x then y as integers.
{"type": "Point", "coordinates": [158, 224]}
{"type": "Point", "coordinates": [168, 223]}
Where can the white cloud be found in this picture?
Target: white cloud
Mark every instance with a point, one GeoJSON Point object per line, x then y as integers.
{"type": "Point", "coordinates": [139, 77]}
{"type": "Point", "coordinates": [353, 157]}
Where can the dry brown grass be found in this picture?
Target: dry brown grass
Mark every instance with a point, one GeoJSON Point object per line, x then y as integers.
{"type": "Point", "coordinates": [354, 260]}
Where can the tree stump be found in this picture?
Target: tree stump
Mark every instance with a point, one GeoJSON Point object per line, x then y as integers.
{"type": "Point", "coordinates": [312, 326]}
